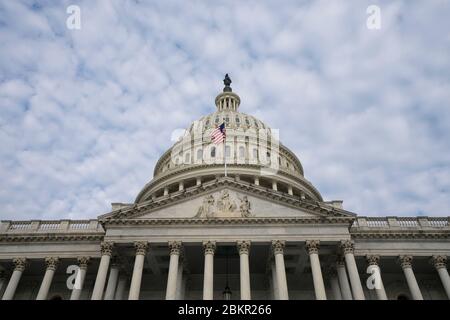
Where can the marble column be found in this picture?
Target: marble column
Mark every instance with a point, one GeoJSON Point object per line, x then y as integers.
{"type": "Point", "coordinates": [19, 268]}
{"type": "Point", "coordinates": [51, 265]}
{"type": "Point", "coordinates": [440, 263]}
{"type": "Point", "coordinates": [273, 269]}
{"type": "Point", "coordinates": [312, 247]}
{"type": "Point", "coordinates": [112, 280]}
{"type": "Point", "coordinates": [79, 278]}
{"type": "Point", "coordinates": [243, 249]}
{"type": "Point", "coordinates": [208, 274]}
{"type": "Point", "coordinates": [2, 281]}
{"type": "Point", "coordinates": [106, 251]}
{"type": "Point", "coordinates": [121, 285]}
{"type": "Point", "coordinates": [343, 279]}
{"type": "Point", "coordinates": [278, 252]}
{"type": "Point", "coordinates": [334, 283]}
{"type": "Point", "coordinates": [406, 263]}
{"type": "Point", "coordinates": [171, 290]}
{"type": "Point", "coordinates": [373, 262]}
{"type": "Point", "coordinates": [180, 279]}
{"type": "Point", "coordinates": [347, 247]}
{"type": "Point", "coordinates": [136, 278]}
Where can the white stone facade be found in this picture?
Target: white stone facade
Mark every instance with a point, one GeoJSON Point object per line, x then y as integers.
{"type": "Point", "coordinates": [193, 231]}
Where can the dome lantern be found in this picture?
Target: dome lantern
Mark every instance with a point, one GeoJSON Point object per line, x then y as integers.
{"type": "Point", "coordinates": [227, 100]}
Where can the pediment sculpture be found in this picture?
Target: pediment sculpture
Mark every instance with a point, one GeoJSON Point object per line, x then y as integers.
{"type": "Point", "coordinates": [224, 206]}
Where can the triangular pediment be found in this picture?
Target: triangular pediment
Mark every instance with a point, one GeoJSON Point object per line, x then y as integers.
{"type": "Point", "coordinates": [226, 199]}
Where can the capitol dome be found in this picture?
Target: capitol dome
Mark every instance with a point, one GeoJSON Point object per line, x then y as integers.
{"type": "Point", "coordinates": [254, 155]}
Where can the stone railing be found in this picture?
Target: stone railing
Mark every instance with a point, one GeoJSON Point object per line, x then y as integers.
{"type": "Point", "coordinates": [50, 226]}
{"type": "Point", "coordinates": [386, 223]}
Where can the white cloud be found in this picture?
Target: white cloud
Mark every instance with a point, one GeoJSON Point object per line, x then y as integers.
{"type": "Point", "coordinates": [85, 114]}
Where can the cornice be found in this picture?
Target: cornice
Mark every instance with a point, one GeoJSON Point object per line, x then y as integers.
{"type": "Point", "coordinates": [397, 235]}
{"type": "Point", "coordinates": [229, 221]}
{"type": "Point", "coordinates": [50, 237]}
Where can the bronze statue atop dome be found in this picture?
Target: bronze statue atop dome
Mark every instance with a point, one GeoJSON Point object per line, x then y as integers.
{"type": "Point", "coordinates": [227, 82]}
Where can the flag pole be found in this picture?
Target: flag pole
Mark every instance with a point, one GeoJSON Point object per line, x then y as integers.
{"type": "Point", "coordinates": [225, 153]}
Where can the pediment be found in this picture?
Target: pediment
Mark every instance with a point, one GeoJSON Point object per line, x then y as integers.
{"type": "Point", "coordinates": [227, 200]}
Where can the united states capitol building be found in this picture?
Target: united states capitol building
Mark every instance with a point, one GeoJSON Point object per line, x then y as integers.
{"type": "Point", "coordinates": [255, 230]}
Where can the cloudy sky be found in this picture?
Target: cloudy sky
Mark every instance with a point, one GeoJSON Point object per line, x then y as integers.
{"type": "Point", "coordinates": [85, 114]}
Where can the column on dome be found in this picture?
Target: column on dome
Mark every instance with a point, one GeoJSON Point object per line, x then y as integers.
{"type": "Point", "coordinates": [406, 264]}
{"type": "Point", "coordinates": [51, 265]}
{"type": "Point", "coordinates": [278, 252]}
{"type": "Point", "coordinates": [19, 268]}
{"type": "Point", "coordinates": [83, 263]}
{"type": "Point", "coordinates": [106, 251]}
{"type": "Point", "coordinates": [175, 250]}
{"type": "Point", "coordinates": [374, 269]}
{"type": "Point", "coordinates": [136, 278]}
{"type": "Point", "coordinates": [312, 247]}
{"type": "Point", "coordinates": [244, 249]}
{"type": "Point", "coordinates": [440, 263]}
{"type": "Point", "coordinates": [208, 274]}
{"type": "Point", "coordinates": [347, 247]}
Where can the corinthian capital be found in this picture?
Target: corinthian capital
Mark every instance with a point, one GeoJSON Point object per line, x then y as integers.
{"type": "Point", "coordinates": [83, 262]}
{"type": "Point", "coordinates": [243, 246]}
{"type": "Point", "coordinates": [372, 260]}
{"type": "Point", "coordinates": [312, 246]}
{"type": "Point", "coordinates": [278, 246]}
{"type": "Point", "coordinates": [405, 261]}
{"type": "Point", "coordinates": [439, 261]}
{"type": "Point", "coordinates": [19, 264]}
{"type": "Point", "coordinates": [209, 247]}
{"type": "Point", "coordinates": [141, 247]}
{"type": "Point", "coordinates": [347, 246]}
{"type": "Point", "coordinates": [175, 247]}
{"type": "Point", "coordinates": [106, 248]}
{"type": "Point", "coordinates": [51, 263]}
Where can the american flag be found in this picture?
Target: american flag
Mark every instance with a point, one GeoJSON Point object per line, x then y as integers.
{"type": "Point", "coordinates": [218, 135]}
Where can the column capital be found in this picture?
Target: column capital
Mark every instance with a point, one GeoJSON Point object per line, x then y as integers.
{"type": "Point", "coordinates": [347, 246]}
{"type": "Point", "coordinates": [106, 248]}
{"type": "Point", "coordinates": [278, 246]}
{"type": "Point", "coordinates": [372, 260]}
{"type": "Point", "coordinates": [312, 246]}
{"type": "Point", "coordinates": [83, 262]}
{"type": "Point", "coordinates": [51, 263]}
{"type": "Point", "coordinates": [209, 247]}
{"type": "Point", "coordinates": [340, 260]}
{"type": "Point", "coordinates": [243, 246]}
{"type": "Point", "coordinates": [141, 247]}
{"type": "Point", "coordinates": [19, 264]}
{"type": "Point", "coordinates": [439, 261]}
{"type": "Point", "coordinates": [175, 247]}
{"type": "Point", "coordinates": [405, 261]}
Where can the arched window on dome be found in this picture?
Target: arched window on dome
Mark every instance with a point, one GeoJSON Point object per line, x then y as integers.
{"type": "Point", "coordinates": [207, 122]}
{"type": "Point", "coordinates": [227, 120]}
{"type": "Point", "coordinates": [199, 155]}
{"type": "Point", "coordinates": [217, 120]}
{"type": "Point", "coordinates": [247, 122]}
{"type": "Point", "coordinates": [238, 121]}
{"type": "Point", "coordinates": [255, 153]}
{"type": "Point", "coordinates": [187, 158]}
{"type": "Point", "coordinates": [213, 152]}
{"type": "Point", "coordinates": [228, 151]}
{"type": "Point", "coordinates": [241, 152]}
